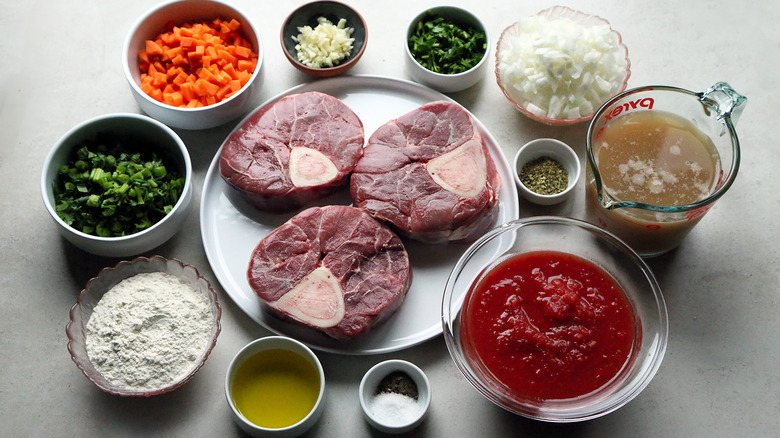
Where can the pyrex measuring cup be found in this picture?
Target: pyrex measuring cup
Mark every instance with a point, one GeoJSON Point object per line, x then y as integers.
{"type": "Point", "coordinates": [615, 192]}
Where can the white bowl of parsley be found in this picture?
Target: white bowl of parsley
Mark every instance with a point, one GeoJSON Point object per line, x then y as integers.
{"type": "Point", "coordinates": [118, 185]}
{"type": "Point", "coordinates": [447, 48]}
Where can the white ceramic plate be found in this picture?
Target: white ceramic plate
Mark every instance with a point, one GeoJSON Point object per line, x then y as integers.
{"type": "Point", "coordinates": [231, 228]}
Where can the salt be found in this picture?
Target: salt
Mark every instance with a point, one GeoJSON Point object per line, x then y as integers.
{"type": "Point", "coordinates": [395, 409]}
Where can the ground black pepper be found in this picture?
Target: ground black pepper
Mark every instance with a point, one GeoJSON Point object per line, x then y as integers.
{"type": "Point", "coordinates": [544, 176]}
{"type": "Point", "coordinates": [398, 382]}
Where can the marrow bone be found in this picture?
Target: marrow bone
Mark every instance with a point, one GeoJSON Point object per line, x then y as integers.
{"type": "Point", "coordinates": [310, 167]}
{"type": "Point", "coordinates": [317, 300]}
{"type": "Point", "coordinates": [460, 171]}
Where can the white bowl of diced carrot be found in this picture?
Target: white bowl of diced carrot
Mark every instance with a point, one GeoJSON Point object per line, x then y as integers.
{"type": "Point", "coordinates": [193, 64]}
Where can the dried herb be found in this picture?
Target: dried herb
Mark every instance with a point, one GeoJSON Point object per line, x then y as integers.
{"type": "Point", "coordinates": [398, 382]}
{"type": "Point", "coordinates": [544, 176]}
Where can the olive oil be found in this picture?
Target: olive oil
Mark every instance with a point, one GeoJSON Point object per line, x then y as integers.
{"type": "Point", "coordinates": [275, 388]}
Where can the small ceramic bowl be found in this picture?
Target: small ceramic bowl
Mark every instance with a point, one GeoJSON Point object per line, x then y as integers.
{"type": "Point", "coordinates": [106, 279]}
{"type": "Point", "coordinates": [367, 394]}
{"type": "Point", "coordinates": [307, 15]}
{"type": "Point", "coordinates": [447, 83]}
{"type": "Point", "coordinates": [558, 151]}
{"type": "Point", "coordinates": [304, 359]}
{"type": "Point", "coordinates": [505, 51]}
{"type": "Point", "coordinates": [156, 21]}
{"type": "Point", "coordinates": [137, 129]}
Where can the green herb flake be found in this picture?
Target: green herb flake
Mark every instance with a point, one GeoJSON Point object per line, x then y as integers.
{"type": "Point", "coordinates": [544, 176]}
{"type": "Point", "coordinates": [445, 47]}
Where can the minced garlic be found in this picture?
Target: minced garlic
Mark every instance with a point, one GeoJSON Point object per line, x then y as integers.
{"type": "Point", "coordinates": [324, 46]}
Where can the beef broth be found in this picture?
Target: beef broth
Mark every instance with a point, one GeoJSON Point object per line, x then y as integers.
{"type": "Point", "coordinates": [656, 158]}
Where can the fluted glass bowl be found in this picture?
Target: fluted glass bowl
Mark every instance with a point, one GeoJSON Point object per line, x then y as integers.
{"type": "Point", "coordinates": [94, 290]}
{"type": "Point", "coordinates": [517, 31]}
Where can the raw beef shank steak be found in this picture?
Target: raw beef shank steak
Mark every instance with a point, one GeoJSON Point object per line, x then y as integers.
{"type": "Point", "coordinates": [293, 151]}
{"type": "Point", "coordinates": [430, 174]}
{"type": "Point", "coordinates": [335, 269]}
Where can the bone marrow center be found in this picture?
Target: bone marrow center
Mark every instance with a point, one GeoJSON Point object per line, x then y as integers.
{"type": "Point", "coordinates": [460, 171]}
{"type": "Point", "coordinates": [310, 167]}
{"type": "Point", "coordinates": [317, 300]}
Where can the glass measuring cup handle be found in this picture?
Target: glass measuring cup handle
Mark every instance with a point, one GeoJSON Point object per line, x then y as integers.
{"type": "Point", "coordinates": [726, 102]}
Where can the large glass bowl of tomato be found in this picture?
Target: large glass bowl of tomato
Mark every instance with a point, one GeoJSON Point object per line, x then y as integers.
{"type": "Point", "coordinates": [554, 319]}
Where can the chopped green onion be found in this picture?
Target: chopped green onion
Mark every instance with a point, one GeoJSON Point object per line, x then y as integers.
{"type": "Point", "coordinates": [111, 191]}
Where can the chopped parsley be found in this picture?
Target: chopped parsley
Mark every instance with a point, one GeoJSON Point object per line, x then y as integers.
{"type": "Point", "coordinates": [445, 47]}
{"type": "Point", "coordinates": [110, 190]}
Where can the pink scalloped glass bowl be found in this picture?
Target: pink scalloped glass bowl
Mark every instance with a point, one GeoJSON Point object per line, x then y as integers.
{"type": "Point", "coordinates": [105, 280]}
{"type": "Point", "coordinates": [553, 13]}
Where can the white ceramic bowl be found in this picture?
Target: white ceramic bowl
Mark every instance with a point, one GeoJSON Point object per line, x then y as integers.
{"type": "Point", "coordinates": [164, 142]}
{"type": "Point", "coordinates": [107, 278]}
{"type": "Point", "coordinates": [151, 24]}
{"type": "Point", "coordinates": [371, 380]}
{"type": "Point", "coordinates": [447, 83]}
{"type": "Point", "coordinates": [270, 343]}
{"type": "Point", "coordinates": [558, 151]}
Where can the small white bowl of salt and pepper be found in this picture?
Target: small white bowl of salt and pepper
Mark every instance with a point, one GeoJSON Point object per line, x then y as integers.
{"type": "Point", "coordinates": [395, 396]}
{"type": "Point", "coordinates": [546, 171]}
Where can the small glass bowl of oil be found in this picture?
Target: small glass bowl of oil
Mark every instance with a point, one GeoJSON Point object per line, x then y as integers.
{"type": "Point", "coordinates": [275, 387]}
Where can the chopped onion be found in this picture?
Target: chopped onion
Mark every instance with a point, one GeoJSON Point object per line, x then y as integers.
{"type": "Point", "coordinates": [558, 68]}
{"type": "Point", "coordinates": [326, 45]}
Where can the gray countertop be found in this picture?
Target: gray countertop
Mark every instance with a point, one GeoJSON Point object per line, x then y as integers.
{"type": "Point", "coordinates": [720, 375]}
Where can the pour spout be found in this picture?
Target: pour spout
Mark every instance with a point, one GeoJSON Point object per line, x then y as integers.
{"type": "Point", "coordinates": [607, 201]}
{"type": "Point", "coordinates": [726, 102]}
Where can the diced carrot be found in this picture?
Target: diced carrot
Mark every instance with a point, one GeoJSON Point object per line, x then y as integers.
{"type": "Point", "coordinates": [244, 65]}
{"type": "Point", "coordinates": [196, 64]}
{"type": "Point", "coordinates": [205, 73]}
{"type": "Point", "coordinates": [187, 42]}
{"type": "Point", "coordinates": [146, 87]}
{"type": "Point", "coordinates": [180, 61]}
{"type": "Point", "coordinates": [227, 57]}
{"type": "Point", "coordinates": [156, 94]}
{"type": "Point", "coordinates": [180, 78]}
{"type": "Point", "coordinates": [222, 92]}
{"type": "Point", "coordinates": [231, 70]}
{"type": "Point", "coordinates": [243, 52]}
{"type": "Point", "coordinates": [143, 55]}
{"type": "Point", "coordinates": [243, 77]}
{"type": "Point", "coordinates": [153, 49]}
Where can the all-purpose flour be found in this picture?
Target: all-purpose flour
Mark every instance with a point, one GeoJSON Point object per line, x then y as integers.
{"type": "Point", "coordinates": [148, 331]}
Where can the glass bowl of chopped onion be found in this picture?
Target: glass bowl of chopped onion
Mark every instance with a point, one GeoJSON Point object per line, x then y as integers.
{"type": "Point", "coordinates": [324, 38]}
{"type": "Point", "coordinates": [143, 327]}
{"type": "Point", "coordinates": [560, 65]}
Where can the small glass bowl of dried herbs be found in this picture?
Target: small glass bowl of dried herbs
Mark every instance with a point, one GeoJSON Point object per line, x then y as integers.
{"type": "Point", "coordinates": [446, 48]}
{"type": "Point", "coordinates": [546, 171]}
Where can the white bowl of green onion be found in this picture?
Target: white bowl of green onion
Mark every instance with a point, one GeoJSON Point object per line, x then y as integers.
{"type": "Point", "coordinates": [118, 185]}
{"type": "Point", "coordinates": [447, 48]}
